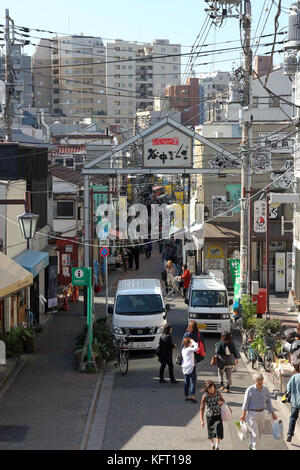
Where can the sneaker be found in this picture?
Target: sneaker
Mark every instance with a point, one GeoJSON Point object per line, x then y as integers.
{"type": "Point", "coordinates": [222, 388]}
{"type": "Point", "coordinates": [227, 390]}
{"type": "Point", "coordinates": [289, 439]}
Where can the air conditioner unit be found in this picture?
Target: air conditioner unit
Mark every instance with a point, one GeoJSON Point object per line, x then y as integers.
{"type": "Point", "coordinates": [218, 118]}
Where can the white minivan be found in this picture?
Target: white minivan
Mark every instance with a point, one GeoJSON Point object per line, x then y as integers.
{"type": "Point", "coordinates": [208, 304]}
{"type": "Point", "coordinates": [139, 312]}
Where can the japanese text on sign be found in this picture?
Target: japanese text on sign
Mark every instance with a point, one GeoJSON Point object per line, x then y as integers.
{"type": "Point", "coordinates": [167, 147]}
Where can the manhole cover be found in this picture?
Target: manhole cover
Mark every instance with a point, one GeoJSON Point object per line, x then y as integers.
{"type": "Point", "coordinates": [13, 433]}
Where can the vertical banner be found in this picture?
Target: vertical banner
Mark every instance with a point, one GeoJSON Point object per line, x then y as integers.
{"type": "Point", "coordinates": [234, 265]}
{"type": "Point", "coordinates": [260, 216]}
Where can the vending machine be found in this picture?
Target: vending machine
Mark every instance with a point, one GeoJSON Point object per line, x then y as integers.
{"type": "Point", "coordinates": [289, 271]}
{"type": "Point", "coordinates": [280, 284]}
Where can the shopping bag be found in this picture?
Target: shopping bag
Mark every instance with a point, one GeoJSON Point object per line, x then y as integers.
{"type": "Point", "coordinates": [277, 429]}
{"type": "Point", "coordinates": [226, 412]}
{"type": "Point", "coordinates": [243, 430]}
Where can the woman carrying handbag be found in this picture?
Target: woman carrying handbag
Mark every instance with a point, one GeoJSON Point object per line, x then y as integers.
{"type": "Point", "coordinates": [227, 358]}
{"type": "Point", "coordinates": [212, 401]}
{"type": "Point", "coordinates": [193, 333]}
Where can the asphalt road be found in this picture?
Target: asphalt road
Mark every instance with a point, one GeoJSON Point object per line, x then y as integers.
{"type": "Point", "coordinates": [136, 412]}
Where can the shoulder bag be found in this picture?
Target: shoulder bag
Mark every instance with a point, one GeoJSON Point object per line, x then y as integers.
{"type": "Point", "coordinates": [178, 359]}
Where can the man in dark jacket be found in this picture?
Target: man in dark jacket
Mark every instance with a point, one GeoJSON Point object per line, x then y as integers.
{"type": "Point", "coordinates": [166, 347]}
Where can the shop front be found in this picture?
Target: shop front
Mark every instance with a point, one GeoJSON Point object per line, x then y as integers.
{"type": "Point", "coordinates": [14, 281]}
{"type": "Point", "coordinates": [35, 262]}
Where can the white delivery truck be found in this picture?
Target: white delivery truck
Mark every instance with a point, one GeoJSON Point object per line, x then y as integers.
{"type": "Point", "coordinates": [139, 312]}
{"type": "Point", "coordinates": [208, 304]}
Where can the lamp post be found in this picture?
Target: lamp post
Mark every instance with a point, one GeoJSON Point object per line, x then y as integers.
{"type": "Point", "coordinates": [28, 223]}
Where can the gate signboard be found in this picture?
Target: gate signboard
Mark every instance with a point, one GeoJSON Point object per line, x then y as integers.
{"type": "Point", "coordinates": [168, 147]}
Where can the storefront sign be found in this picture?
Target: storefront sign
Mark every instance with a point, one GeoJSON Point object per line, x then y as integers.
{"type": "Point", "coordinates": [215, 252]}
{"type": "Point", "coordinates": [234, 266]}
{"type": "Point", "coordinates": [167, 147]}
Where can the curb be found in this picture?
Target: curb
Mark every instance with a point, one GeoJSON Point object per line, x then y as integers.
{"type": "Point", "coordinates": [92, 411]}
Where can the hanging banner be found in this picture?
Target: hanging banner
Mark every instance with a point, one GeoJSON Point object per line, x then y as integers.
{"type": "Point", "coordinates": [234, 265]}
{"type": "Point", "coordinates": [260, 216]}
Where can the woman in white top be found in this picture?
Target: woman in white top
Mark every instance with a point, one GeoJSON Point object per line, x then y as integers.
{"type": "Point", "coordinates": [189, 347]}
{"type": "Point", "coordinates": [170, 270]}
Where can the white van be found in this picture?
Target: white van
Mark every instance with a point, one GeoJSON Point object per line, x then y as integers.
{"type": "Point", "coordinates": [208, 304]}
{"type": "Point", "coordinates": [139, 312]}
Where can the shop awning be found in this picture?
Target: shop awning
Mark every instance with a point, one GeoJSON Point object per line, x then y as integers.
{"type": "Point", "coordinates": [12, 276]}
{"type": "Point", "coordinates": [33, 261]}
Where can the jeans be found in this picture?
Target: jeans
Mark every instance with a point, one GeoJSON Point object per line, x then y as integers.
{"type": "Point", "coordinates": [190, 383]}
{"type": "Point", "coordinates": [293, 420]}
{"type": "Point", "coordinates": [227, 372]}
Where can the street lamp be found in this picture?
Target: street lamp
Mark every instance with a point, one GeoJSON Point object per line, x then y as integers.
{"type": "Point", "coordinates": [28, 223]}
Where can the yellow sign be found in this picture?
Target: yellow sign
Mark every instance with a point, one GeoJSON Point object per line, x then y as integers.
{"type": "Point", "coordinates": [215, 252]}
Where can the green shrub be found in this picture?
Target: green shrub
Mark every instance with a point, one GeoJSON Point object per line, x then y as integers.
{"type": "Point", "coordinates": [248, 311]}
{"type": "Point", "coordinates": [18, 341]}
{"type": "Point", "coordinates": [263, 327]}
{"type": "Point", "coordinates": [102, 339]}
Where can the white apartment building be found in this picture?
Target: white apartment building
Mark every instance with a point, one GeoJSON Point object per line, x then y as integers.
{"type": "Point", "coordinates": [77, 75]}
{"type": "Point", "coordinates": [212, 83]}
{"type": "Point", "coordinates": [136, 74]}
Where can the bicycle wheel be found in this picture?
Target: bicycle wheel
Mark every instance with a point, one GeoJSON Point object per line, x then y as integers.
{"type": "Point", "coordinates": [237, 338]}
{"type": "Point", "coordinates": [169, 293]}
{"type": "Point", "coordinates": [123, 361]}
{"type": "Point", "coordinates": [268, 359]}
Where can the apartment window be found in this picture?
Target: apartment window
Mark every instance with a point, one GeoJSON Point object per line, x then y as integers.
{"type": "Point", "coordinates": [274, 101]}
{"type": "Point", "coordinates": [255, 102]}
{"type": "Point", "coordinates": [64, 209]}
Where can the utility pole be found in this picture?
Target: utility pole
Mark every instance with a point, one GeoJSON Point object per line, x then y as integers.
{"type": "Point", "coordinates": [245, 145]}
{"type": "Point", "coordinates": [8, 80]}
{"type": "Point", "coordinates": [241, 9]}
{"type": "Point", "coordinates": [292, 61]}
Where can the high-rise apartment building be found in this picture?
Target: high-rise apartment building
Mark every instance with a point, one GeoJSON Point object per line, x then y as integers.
{"type": "Point", "coordinates": [41, 67]}
{"type": "Point", "coordinates": [21, 64]}
{"type": "Point", "coordinates": [136, 74]}
{"type": "Point", "coordinates": [77, 76]}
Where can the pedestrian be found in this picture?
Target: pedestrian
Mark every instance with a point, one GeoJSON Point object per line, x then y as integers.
{"type": "Point", "coordinates": [293, 386]}
{"type": "Point", "coordinates": [148, 248]}
{"type": "Point", "coordinates": [193, 332]}
{"type": "Point", "coordinates": [165, 356]}
{"type": "Point", "coordinates": [189, 346]}
{"type": "Point", "coordinates": [257, 399]}
{"type": "Point", "coordinates": [186, 279]}
{"type": "Point", "coordinates": [213, 400]}
{"type": "Point", "coordinates": [227, 358]}
{"type": "Point", "coordinates": [136, 255]}
{"type": "Point", "coordinates": [170, 270]}
{"type": "Point", "coordinates": [130, 257]}
{"type": "Point", "coordinates": [166, 255]}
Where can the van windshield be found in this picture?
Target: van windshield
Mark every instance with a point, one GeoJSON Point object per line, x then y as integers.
{"type": "Point", "coordinates": [145, 304]}
{"type": "Point", "coordinates": [208, 298]}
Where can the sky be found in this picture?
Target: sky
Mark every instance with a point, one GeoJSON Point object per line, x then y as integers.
{"type": "Point", "coordinates": [180, 22]}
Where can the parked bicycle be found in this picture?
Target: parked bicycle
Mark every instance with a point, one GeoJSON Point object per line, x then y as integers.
{"type": "Point", "coordinates": [30, 319]}
{"type": "Point", "coordinates": [251, 352]}
{"type": "Point", "coordinates": [170, 292]}
{"type": "Point", "coordinates": [236, 333]}
{"type": "Point", "coordinates": [122, 354]}
{"type": "Point", "coordinates": [274, 350]}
